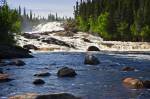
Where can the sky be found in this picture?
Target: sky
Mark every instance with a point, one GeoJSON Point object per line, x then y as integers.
{"type": "Point", "coordinates": [43, 7]}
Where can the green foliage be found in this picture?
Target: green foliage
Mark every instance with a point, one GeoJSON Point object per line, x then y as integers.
{"type": "Point", "coordinates": [125, 20]}
{"type": "Point", "coordinates": [9, 24]}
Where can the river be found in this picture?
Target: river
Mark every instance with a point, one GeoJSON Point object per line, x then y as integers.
{"type": "Point", "coordinates": [103, 81]}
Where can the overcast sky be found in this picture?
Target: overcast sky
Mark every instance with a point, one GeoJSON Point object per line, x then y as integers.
{"type": "Point", "coordinates": [43, 7]}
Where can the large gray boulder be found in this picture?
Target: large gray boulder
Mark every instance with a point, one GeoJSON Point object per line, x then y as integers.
{"type": "Point", "coordinates": [66, 72]}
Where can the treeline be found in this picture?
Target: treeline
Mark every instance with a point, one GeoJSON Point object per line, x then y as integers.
{"type": "Point", "coordinates": [9, 24]}
{"type": "Point", "coordinates": [124, 20]}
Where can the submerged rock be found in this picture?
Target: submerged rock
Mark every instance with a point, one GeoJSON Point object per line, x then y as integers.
{"type": "Point", "coordinates": [4, 78]}
{"type": "Point", "coordinates": [38, 82]}
{"type": "Point", "coordinates": [12, 51]}
{"type": "Point", "coordinates": [17, 63]}
{"type": "Point", "coordinates": [128, 69]}
{"type": "Point", "coordinates": [30, 46]}
{"type": "Point", "coordinates": [91, 60]}
{"type": "Point", "coordinates": [133, 83]}
{"type": "Point", "coordinates": [45, 96]}
{"type": "Point", "coordinates": [42, 74]}
{"type": "Point", "coordinates": [66, 72]}
{"type": "Point", "coordinates": [93, 48]}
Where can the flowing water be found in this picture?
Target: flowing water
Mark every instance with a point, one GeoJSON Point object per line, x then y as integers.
{"type": "Point", "coordinates": [103, 81]}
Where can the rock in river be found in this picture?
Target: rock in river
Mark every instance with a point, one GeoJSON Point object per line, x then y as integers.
{"type": "Point", "coordinates": [38, 82]}
{"type": "Point", "coordinates": [12, 51]}
{"type": "Point", "coordinates": [133, 83]}
{"type": "Point", "coordinates": [45, 96]}
{"type": "Point", "coordinates": [91, 60]}
{"type": "Point", "coordinates": [93, 48]}
{"type": "Point", "coordinates": [30, 46]}
{"type": "Point", "coordinates": [4, 78]}
{"type": "Point", "coordinates": [66, 72]}
{"type": "Point", "coordinates": [42, 74]}
{"type": "Point", "coordinates": [17, 63]}
{"type": "Point", "coordinates": [128, 69]}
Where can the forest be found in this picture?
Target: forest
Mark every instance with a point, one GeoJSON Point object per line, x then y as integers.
{"type": "Point", "coordinates": [119, 20]}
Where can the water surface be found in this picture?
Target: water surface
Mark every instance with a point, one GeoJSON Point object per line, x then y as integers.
{"type": "Point", "coordinates": [103, 81]}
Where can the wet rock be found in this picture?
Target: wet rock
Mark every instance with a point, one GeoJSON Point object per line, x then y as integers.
{"type": "Point", "coordinates": [128, 69]}
{"type": "Point", "coordinates": [66, 72]}
{"type": "Point", "coordinates": [93, 48]}
{"type": "Point", "coordinates": [91, 60]}
{"type": "Point", "coordinates": [133, 83]}
{"type": "Point", "coordinates": [86, 40]}
{"type": "Point", "coordinates": [25, 96]}
{"type": "Point", "coordinates": [30, 46]}
{"type": "Point", "coordinates": [57, 96]}
{"type": "Point", "coordinates": [17, 63]}
{"type": "Point", "coordinates": [38, 82]}
{"type": "Point", "coordinates": [51, 40]}
{"type": "Point", "coordinates": [31, 36]}
{"type": "Point", "coordinates": [146, 83]}
{"type": "Point", "coordinates": [12, 51]}
{"type": "Point", "coordinates": [44, 96]}
{"type": "Point", "coordinates": [4, 78]}
{"type": "Point", "coordinates": [42, 74]}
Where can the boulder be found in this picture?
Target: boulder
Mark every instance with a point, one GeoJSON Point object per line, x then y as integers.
{"type": "Point", "coordinates": [30, 46]}
{"type": "Point", "coordinates": [31, 36]}
{"type": "Point", "coordinates": [146, 83]}
{"type": "Point", "coordinates": [42, 74]}
{"type": "Point", "coordinates": [133, 83]}
{"type": "Point", "coordinates": [4, 78]}
{"type": "Point", "coordinates": [91, 60]}
{"type": "Point", "coordinates": [38, 82]}
{"type": "Point", "coordinates": [93, 48]}
{"type": "Point", "coordinates": [12, 51]}
{"type": "Point", "coordinates": [128, 69]}
{"type": "Point", "coordinates": [52, 40]}
{"type": "Point", "coordinates": [45, 96]}
{"type": "Point", "coordinates": [66, 72]}
{"type": "Point", "coordinates": [17, 63]}
{"type": "Point", "coordinates": [57, 96]}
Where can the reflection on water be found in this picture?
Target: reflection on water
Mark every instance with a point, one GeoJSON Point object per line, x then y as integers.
{"type": "Point", "coordinates": [92, 82]}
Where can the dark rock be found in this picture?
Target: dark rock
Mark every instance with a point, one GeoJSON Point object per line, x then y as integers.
{"type": "Point", "coordinates": [44, 96]}
{"type": "Point", "coordinates": [86, 40]}
{"type": "Point", "coordinates": [17, 63]}
{"type": "Point", "coordinates": [133, 83]}
{"type": "Point", "coordinates": [91, 60]}
{"type": "Point", "coordinates": [128, 69]}
{"type": "Point", "coordinates": [12, 51]}
{"type": "Point", "coordinates": [146, 83]}
{"type": "Point", "coordinates": [38, 82]}
{"type": "Point", "coordinates": [31, 36]}
{"type": "Point", "coordinates": [30, 46]}
{"type": "Point", "coordinates": [43, 74]}
{"type": "Point", "coordinates": [4, 78]}
{"type": "Point", "coordinates": [93, 48]}
{"type": "Point", "coordinates": [66, 72]}
{"type": "Point", "coordinates": [1, 71]}
{"type": "Point", "coordinates": [51, 40]}
{"type": "Point", "coordinates": [57, 96]}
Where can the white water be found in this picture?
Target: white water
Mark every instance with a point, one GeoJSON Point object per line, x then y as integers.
{"type": "Point", "coordinates": [78, 42]}
{"type": "Point", "coordinates": [48, 27]}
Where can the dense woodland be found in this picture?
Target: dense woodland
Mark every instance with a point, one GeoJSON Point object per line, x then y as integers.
{"type": "Point", "coordinates": [125, 20]}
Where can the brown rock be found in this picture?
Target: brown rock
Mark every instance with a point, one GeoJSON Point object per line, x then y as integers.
{"type": "Point", "coordinates": [133, 83]}
{"type": "Point", "coordinates": [4, 78]}
{"type": "Point", "coordinates": [128, 69]}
